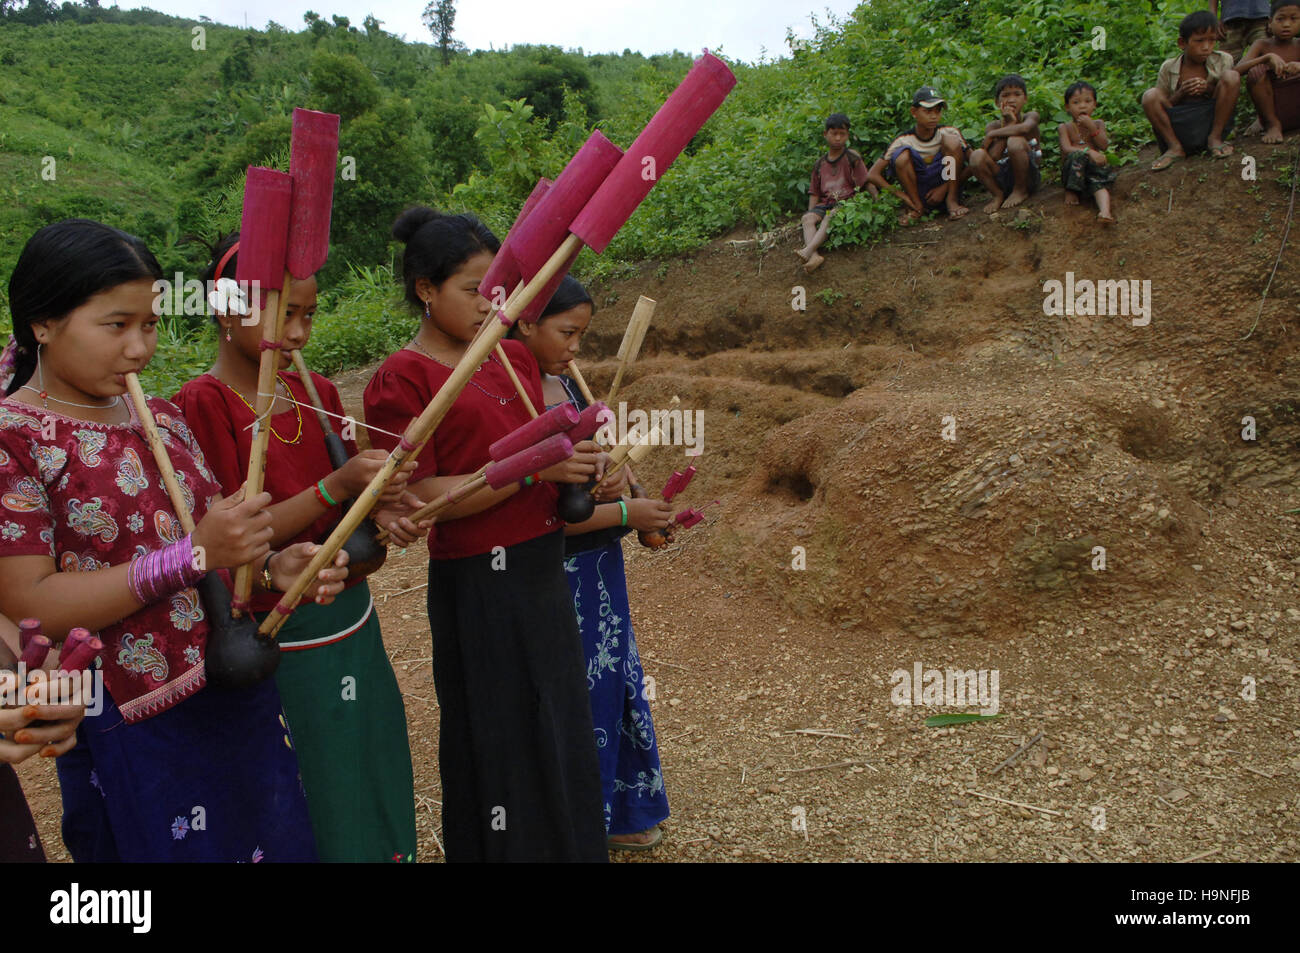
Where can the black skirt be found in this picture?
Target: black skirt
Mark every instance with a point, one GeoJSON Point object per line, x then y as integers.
{"type": "Point", "coordinates": [18, 840]}
{"type": "Point", "coordinates": [517, 755]}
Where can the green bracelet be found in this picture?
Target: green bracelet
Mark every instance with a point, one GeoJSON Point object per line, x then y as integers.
{"type": "Point", "coordinates": [320, 486]}
{"type": "Point", "coordinates": [623, 506]}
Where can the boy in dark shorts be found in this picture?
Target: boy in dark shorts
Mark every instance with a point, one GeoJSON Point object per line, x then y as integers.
{"type": "Point", "coordinates": [933, 161]}
{"type": "Point", "coordinates": [838, 175]}
{"type": "Point", "coordinates": [1241, 23]}
{"type": "Point", "coordinates": [1007, 165]}
{"type": "Point", "coordinates": [1190, 107]}
{"type": "Point", "coordinates": [1272, 70]}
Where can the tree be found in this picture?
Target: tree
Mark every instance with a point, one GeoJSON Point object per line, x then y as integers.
{"type": "Point", "coordinates": [439, 17]}
{"type": "Point", "coordinates": [372, 25]}
{"type": "Point", "coordinates": [317, 26]}
{"type": "Point", "coordinates": [342, 84]}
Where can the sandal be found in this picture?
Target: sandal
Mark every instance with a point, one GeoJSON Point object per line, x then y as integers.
{"type": "Point", "coordinates": [1166, 160]}
{"type": "Point", "coordinates": [655, 839]}
{"type": "Point", "coordinates": [1221, 151]}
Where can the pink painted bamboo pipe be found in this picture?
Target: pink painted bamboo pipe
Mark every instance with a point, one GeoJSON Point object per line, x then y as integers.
{"type": "Point", "coordinates": [504, 272]}
{"type": "Point", "coordinates": [313, 157]}
{"type": "Point", "coordinates": [681, 116]}
{"type": "Point", "coordinates": [547, 453]}
{"type": "Point", "coordinates": [558, 419]}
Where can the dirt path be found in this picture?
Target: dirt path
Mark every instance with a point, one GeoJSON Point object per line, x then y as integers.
{"type": "Point", "coordinates": [854, 541]}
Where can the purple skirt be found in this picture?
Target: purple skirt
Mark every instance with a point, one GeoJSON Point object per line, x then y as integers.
{"type": "Point", "coordinates": [212, 779]}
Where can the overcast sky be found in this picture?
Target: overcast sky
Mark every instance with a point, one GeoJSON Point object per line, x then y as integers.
{"type": "Point", "coordinates": [738, 28]}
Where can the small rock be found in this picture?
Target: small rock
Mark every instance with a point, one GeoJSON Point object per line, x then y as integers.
{"type": "Point", "coordinates": [773, 789]}
{"type": "Point", "coordinates": [1086, 774]}
{"type": "Point", "coordinates": [674, 702]}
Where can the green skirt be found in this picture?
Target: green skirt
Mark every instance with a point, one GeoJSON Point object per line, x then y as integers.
{"type": "Point", "coordinates": [349, 729]}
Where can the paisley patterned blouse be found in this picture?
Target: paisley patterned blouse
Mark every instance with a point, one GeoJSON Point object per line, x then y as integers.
{"type": "Point", "coordinates": [90, 496]}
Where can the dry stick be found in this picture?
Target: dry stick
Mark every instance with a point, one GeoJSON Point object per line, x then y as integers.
{"type": "Point", "coordinates": [159, 453]}
{"type": "Point", "coordinates": [1202, 855]}
{"type": "Point", "coordinates": [418, 432]}
{"type": "Point", "coordinates": [1290, 211]}
{"type": "Point", "coordinates": [820, 733]}
{"type": "Point", "coordinates": [837, 764]}
{"type": "Point", "coordinates": [637, 325]}
{"type": "Point", "coordinates": [514, 379]}
{"type": "Point", "coordinates": [272, 327]}
{"type": "Point", "coordinates": [1019, 751]}
{"type": "Point", "coordinates": [1002, 800]}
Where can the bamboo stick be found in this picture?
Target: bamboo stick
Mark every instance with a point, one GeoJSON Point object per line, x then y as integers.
{"type": "Point", "coordinates": [637, 326]}
{"type": "Point", "coordinates": [317, 404]}
{"type": "Point", "coordinates": [581, 382]}
{"type": "Point", "coordinates": [514, 379]}
{"type": "Point", "coordinates": [272, 329]}
{"type": "Point", "coordinates": [419, 431]}
{"type": "Point", "coordinates": [154, 439]}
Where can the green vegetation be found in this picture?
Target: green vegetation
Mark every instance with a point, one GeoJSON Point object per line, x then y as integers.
{"type": "Point", "coordinates": [150, 121]}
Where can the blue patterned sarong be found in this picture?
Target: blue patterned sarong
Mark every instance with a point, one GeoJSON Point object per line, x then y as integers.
{"type": "Point", "coordinates": [632, 783]}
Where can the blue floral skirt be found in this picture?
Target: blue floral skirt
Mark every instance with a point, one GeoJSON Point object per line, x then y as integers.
{"type": "Point", "coordinates": [213, 778]}
{"type": "Point", "coordinates": [632, 782]}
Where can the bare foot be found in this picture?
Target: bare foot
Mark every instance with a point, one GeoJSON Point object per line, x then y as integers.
{"type": "Point", "coordinates": [1015, 198]}
{"type": "Point", "coordinates": [1255, 128]}
{"type": "Point", "coordinates": [1272, 135]}
{"type": "Point", "coordinates": [908, 216]}
{"type": "Point", "coordinates": [1071, 198]}
{"type": "Point", "coordinates": [957, 210]}
{"type": "Point", "coordinates": [803, 253]}
{"type": "Point", "coordinates": [814, 262]}
{"type": "Point", "coordinates": [994, 203]}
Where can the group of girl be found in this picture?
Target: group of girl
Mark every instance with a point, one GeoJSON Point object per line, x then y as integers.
{"type": "Point", "coordinates": [546, 747]}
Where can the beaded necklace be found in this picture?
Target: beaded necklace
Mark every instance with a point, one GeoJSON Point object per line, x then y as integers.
{"type": "Point", "coordinates": [296, 409]}
{"type": "Point", "coordinates": [483, 390]}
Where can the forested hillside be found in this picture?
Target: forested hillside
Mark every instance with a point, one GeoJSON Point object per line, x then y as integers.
{"type": "Point", "coordinates": [147, 121]}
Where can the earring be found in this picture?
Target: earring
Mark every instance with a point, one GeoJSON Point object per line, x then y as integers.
{"type": "Point", "coordinates": [227, 332]}
{"type": "Point", "coordinates": [426, 311]}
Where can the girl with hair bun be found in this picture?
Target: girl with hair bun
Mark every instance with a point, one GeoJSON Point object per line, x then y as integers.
{"type": "Point", "coordinates": [172, 769]}
{"type": "Point", "coordinates": [520, 779]}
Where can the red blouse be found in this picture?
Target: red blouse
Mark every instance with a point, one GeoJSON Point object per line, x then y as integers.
{"type": "Point", "coordinates": [487, 409]}
{"type": "Point", "coordinates": [222, 424]}
{"type": "Point", "coordinates": [90, 496]}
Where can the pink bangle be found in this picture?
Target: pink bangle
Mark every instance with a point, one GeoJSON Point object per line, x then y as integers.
{"type": "Point", "coordinates": [158, 574]}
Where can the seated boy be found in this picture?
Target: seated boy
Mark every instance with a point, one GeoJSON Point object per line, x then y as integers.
{"type": "Point", "coordinates": [837, 176]}
{"type": "Point", "coordinates": [1007, 165]}
{"type": "Point", "coordinates": [933, 161]}
{"type": "Point", "coordinates": [1190, 107]}
{"type": "Point", "coordinates": [1272, 70]}
{"type": "Point", "coordinates": [1241, 23]}
{"type": "Point", "coordinates": [1084, 168]}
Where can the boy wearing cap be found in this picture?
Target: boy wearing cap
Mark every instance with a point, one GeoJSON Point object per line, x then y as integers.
{"type": "Point", "coordinates": [837, 176]}
{"type": "Point", "coordinates": [1007, 164]}
{"type": "Point", "coordinates": [933, 161]}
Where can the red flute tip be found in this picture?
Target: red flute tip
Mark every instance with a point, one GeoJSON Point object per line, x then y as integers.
{"type": "Point", "coordinates": [36, 651]}
{"type": "Point", "coordinates": [82, 656]}
{"type": "Point", "coordinates": [26, 629]}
